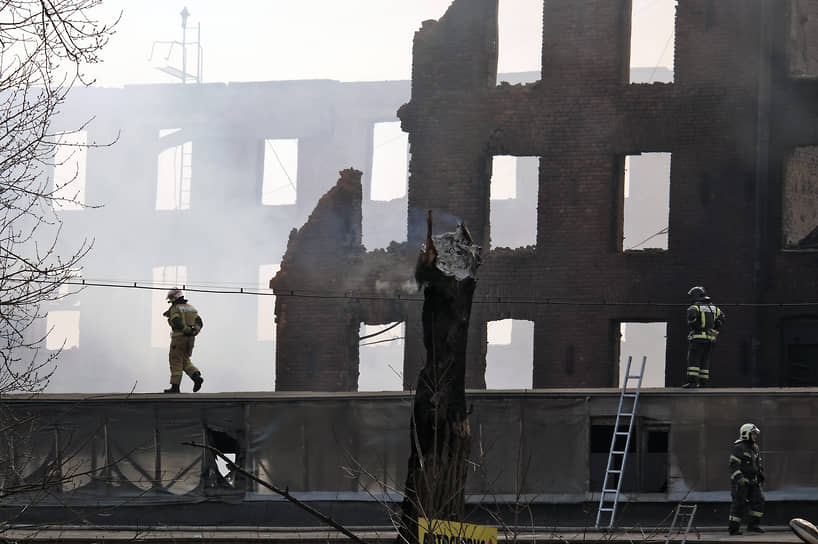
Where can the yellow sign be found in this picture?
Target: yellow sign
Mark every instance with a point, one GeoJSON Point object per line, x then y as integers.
{"type": "Point", "coordinates": [452, 532]}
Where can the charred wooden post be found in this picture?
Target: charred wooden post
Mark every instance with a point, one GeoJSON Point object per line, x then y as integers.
{"type": "Point", "coordinates": [440, 436]}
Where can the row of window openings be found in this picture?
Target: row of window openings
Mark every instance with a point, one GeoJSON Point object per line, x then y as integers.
{"type": "Point", "coordinates": [646, 467]}
{"type": "Point", "coordinates": [652, 43]}
{"type": "Point", "coordinates": [649, 20]}
{"type": "Point", "coordinates": [513, 224]}
{"type": "Point", "coordinates": [390, 160]}
{"type": "Point", "coordinates": [509, 357]}
{"type": "Point", "coordinates": [389, 174]}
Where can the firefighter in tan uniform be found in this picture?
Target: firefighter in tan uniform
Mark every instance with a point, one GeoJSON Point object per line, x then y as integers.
{"type": "Point", "coordinates": [185, 323]}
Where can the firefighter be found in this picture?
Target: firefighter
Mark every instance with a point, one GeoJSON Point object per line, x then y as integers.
{"type": "Point", "coordinates": [704, 321]}
{"type": "Point", "coordinates": [185, 323]}
{"type": "Point", "coordinates": [746, 478]}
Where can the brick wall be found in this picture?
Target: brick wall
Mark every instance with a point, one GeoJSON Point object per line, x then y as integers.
{"type": "Point", "coordinates": [729, 120]}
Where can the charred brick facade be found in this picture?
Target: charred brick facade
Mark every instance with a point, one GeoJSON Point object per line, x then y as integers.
{"type": "Point", "coordinates": [741, 123]}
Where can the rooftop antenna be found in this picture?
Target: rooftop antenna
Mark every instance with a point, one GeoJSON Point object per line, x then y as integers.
{"type": "Point", "coordinates": [182, 74]}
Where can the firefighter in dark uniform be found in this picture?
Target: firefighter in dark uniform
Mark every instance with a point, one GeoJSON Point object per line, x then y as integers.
{"type": "Point", "coordinates": [704, 321]}
{"type": "Point", "coordinates": [185, 323]}
{"type": "Point", "coordinates": [746, 477]}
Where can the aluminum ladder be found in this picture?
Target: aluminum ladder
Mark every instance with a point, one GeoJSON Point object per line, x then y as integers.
{"type": "Point", "coordinates": [609, 498]}
{"type": "Point", "coordinates": [684, 514]}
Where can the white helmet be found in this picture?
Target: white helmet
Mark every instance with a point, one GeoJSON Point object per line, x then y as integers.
{"type": "Point", "coordinates": [746, 431]}
{"type": "Point", "coordinates": [173, 294]}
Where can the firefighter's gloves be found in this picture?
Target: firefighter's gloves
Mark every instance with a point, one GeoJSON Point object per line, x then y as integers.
{"type": "Point", "coordinates": [743, 481]}
{"type": "Point", "coordinates": [188, 330]}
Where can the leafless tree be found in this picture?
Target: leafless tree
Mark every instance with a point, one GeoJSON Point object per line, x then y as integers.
{"type": "Point", "coordinates": [44, 47]}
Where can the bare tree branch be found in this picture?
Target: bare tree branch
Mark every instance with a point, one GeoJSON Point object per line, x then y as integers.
{"type": "Point", "coordinates": [44, 47]}
{"type": "Point", "coordinates": [283, 492]}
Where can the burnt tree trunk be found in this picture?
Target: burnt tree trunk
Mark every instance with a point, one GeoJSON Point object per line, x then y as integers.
{"type": "Point", "coordinates": [439, 428]}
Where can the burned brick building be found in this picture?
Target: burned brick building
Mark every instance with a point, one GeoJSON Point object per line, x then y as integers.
{"type": "Point", "coordinates": [740, 122]}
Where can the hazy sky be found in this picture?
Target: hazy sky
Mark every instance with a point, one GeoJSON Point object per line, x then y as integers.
{"type": "Point", "coordinates": [350, 40]}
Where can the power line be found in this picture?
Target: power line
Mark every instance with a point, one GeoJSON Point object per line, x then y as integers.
{"type": "Point", "coordinates": [486, 299]}
{"type": "Point", "coordinates": [651, 237]}
{"type": "Point", "coordinates": [389, 328]}
{"type": "Point", "coordinates": [381, 341]}
{"type": "Point", "coordinates": [281, 164]}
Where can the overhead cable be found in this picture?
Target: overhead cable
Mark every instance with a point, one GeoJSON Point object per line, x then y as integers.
{"type": "Point", "coordinates": [478, 299]}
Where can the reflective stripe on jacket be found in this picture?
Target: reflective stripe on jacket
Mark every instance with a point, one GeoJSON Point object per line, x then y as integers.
{"type": "Point", "coordinates": [183, 315]}
{"type": "Point", "coordinates": [745, 462]}
{"type": "Point", "coordinates": [703, 320]}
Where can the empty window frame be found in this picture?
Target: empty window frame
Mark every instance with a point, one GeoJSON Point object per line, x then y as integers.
{"type": "Point", "coordinates": [519, 26]}
{"type": "Point", "coordinates": [653, 31]}
{"type": "Point", "coordinates": [266, 304]}
{"type": "Point", "coordinates": [174, 171]}
{"type": "Point", "coordinates": [513, 206]}
{"type": "Point", "coordinates": [646, 189]}
{"type": "Point", "coordinates": [70, 160]}
{"type": "Point", "coordinates": [799, 214]}
{"type": "Point", "coordinates": [380, 356]}
{"type": "Point", "coordinates": [510, 354]}
{"type": "Point", "coordinates": [390, 161]}
{"type": "Point", "coordinates": [165, 277]}
{"type": "Point", "coordinates": [643, 339]}
{"type": "Point", "coordinates": [646, 464]}
{"type": "Point", "coordinates": [217, 473]}
{"type": "Point", "coordinates": [801, 45]}
{"type": "Point", "coordinates": [63, 328]}
{"type": "Point", "coordinates": [280, 176]}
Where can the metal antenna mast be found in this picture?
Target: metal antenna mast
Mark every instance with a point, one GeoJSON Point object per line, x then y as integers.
{"type": "Point", "coordinates": [183, 74]}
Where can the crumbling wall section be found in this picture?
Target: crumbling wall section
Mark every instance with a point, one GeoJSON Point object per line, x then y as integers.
{"type": "Point", "coordinates": [320, 255]}
{"type": "Point", "coordinates": [327, 285]}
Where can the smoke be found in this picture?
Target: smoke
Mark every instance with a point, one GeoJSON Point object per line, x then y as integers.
{"type": "Point", "coordinates": [386, 287]}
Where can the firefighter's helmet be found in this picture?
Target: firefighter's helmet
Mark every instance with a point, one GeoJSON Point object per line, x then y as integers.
{"type": "Point", "coordinates": [697, 292]}
{"type": "Point", "coordinates": [747, 430]}
{"type": "Point", "coordinates": [174, 294]}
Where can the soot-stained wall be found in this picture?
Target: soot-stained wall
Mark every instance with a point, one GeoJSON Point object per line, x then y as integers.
{"type": "Point", "coordinates": [741, 102]}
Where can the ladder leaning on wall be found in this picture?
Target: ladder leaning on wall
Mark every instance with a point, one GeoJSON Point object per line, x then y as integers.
{"type": "Point", "coordinates": [615, 470]}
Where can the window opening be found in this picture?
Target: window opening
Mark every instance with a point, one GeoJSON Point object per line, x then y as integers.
{"type": "Point", "coordinates": [174, 172]}
{"type": "Point", "coordinates": [390, 161]}
{"type": "Point", "coordinates": [384, 211]}
{"type": "Point", "coordinates": [166, 277]}
{"type": "Point", "coordinates": [513, 192]}
{"type": "Point", "coordinates": [217, 474]}
{"type": "Point", "coordinates": [380, 357]}
{"type": "Point", "coordinates": [63, 328]}
{"type": "Point", "coordinates": [653, 31]}
{"type": "Point", "coordinates": [801, 46]}
{"type": "Point", "coordinates": [643, 340]}
{"type": "Point", "coordinates": [519, 55]}
{"type": "Point", "coordinates": [646, 190]}
{"type": "Point", "coordinates": [646, 466]}
{"type": "Point", "coordinates": [510, 354]}
{"type": "Point", "coordinates": [280, 177]}
{"type": "Point", "coordinates": [800, 200]}
{"type": "Point", "coordinates": [70, 161]}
